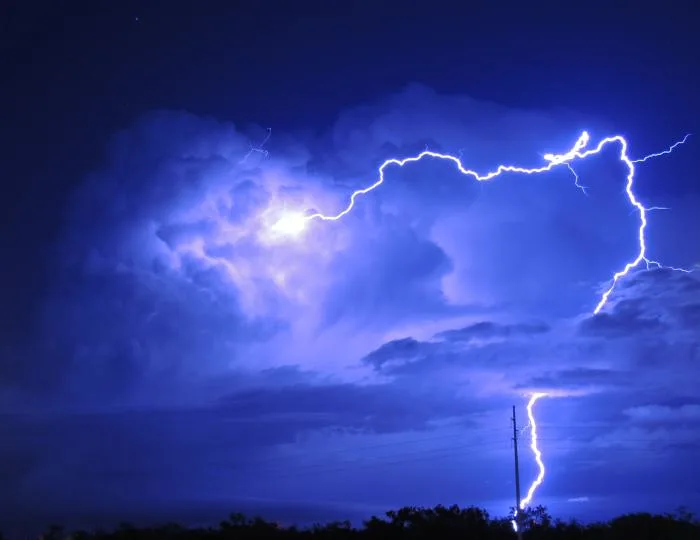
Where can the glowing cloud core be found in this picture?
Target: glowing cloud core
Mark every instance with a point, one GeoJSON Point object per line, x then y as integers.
{"type": "Point", "coordinates": [290, 224]}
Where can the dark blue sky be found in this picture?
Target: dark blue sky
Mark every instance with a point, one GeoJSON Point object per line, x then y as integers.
{"type": "Point", "coordinates": [161, 349]}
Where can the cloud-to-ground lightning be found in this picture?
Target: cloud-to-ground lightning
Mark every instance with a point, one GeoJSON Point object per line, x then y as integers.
{"type": "Point", "coordinates": [535, 449]}
{"type": "Point", "coordinates": [537, 482]}
{"type": "Point", "coordinates": [293, 223]}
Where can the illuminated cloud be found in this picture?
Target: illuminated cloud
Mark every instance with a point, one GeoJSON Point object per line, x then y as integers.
{"type": "Point", "coordinates": [181, 321]}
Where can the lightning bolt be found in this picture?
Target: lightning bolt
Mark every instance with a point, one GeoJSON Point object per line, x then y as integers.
{"type": "Point", "coordinates": [664, 152]}
{"type": "Point", "coordinates": [535, 450]}
{"type": "Point", "coordinates": [259, 148]}
{"type": "Point", "coordinates": [537, 482]}
{"type": "Point", "coordinates": [294, 223]}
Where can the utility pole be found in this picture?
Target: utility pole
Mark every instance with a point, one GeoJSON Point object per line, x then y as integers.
{"type": "Point", "coordinates": [517, 476]}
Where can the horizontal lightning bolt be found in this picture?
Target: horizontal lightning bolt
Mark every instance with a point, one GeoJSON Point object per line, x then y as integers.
{"type": "Point", "coordinates": [293, 223]}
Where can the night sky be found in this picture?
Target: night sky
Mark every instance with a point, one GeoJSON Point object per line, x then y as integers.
{"type": "Point", "coordinates": [165, 351]}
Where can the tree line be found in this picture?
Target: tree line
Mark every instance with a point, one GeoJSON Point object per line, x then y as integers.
{"type": "Point", "coordinates": [439, 523]}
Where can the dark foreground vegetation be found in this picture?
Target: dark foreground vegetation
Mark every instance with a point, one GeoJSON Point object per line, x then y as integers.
{"type": "Point", "coordinates": [439, 523]}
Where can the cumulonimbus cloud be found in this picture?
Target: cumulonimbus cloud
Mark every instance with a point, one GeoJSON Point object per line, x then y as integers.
{"type": "Point", "coordinates": [166, 270]}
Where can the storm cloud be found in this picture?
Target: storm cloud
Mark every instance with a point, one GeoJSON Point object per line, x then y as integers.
{"type": "Point", "coordinates": [178, 325]}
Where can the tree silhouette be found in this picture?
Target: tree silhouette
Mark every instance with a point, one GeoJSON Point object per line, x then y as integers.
{"type": "Point", "coordinates": [440, 522]}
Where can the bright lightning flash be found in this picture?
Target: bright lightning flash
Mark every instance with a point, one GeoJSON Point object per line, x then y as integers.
{"type": "Point", "coordinates": [290, 224]}
{"type": "Point", "coordinates": [537, 482]}
{"type": "Point", "coordinates": [294, 224]}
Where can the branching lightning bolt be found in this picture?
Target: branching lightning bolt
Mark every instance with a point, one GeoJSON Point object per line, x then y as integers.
{"type": "Point", "coordinates": [537, 482]}
{"type": "Point", "coordinates": [295, 223]}
{"type": "Point", "coordinates": [664, 152]}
